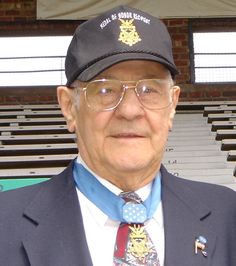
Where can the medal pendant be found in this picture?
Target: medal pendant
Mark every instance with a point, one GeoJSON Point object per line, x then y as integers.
{"type": "Point", "coordinates": [138, 246]}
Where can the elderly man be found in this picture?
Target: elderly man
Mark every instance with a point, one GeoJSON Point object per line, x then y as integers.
{"type": "Point", "coordinates": [116, 204]}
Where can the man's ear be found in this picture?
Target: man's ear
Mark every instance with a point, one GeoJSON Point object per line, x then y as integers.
{"type": "Point", "coordinates": [66, 103]}
{"type": "Point", "coordinates": [175, 99]}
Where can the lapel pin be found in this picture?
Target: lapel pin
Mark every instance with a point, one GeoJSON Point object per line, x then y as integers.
{"type": "Point", "coordinates": [200, 244]}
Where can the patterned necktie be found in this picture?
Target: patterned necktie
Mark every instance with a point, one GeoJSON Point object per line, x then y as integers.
{"type": "Point", "coordinates": [133, 244]}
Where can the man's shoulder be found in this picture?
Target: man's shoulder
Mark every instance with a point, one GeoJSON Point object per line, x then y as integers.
{"type": "Point", "coordinates": [17, 199]}
{"type": "Point", "coordinates": [217, 197]}
{"type": "Point", "coordinates": [209, 189]}
{"type": "Point", "coordinates": [209, 193]}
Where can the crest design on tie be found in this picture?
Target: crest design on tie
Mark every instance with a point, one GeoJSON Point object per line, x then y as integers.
{"type": "Point", "coordinates": [138, 242]}
{"type": "Point", "coordinates": [128, 34]}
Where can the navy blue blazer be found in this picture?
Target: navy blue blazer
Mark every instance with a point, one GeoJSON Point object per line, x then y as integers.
{"type": "Point", "coordinates": [41, 225]}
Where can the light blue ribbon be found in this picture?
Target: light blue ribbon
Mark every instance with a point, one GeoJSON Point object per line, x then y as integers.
{"type": "Point", "coordinates": [111, 204]}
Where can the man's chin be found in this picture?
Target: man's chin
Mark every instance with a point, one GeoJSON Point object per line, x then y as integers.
{"type": "Point", "coordinates": [128, 164]}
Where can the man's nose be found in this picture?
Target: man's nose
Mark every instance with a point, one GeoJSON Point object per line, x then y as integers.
{"type": "Point", "coordinates": [130, 106]}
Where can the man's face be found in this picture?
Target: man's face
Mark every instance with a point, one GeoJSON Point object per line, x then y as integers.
{"type": "Point", "coordinates": [125, 145]}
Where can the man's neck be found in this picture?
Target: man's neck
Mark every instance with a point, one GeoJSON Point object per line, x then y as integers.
{"type": "Point", "coordinates": [124, 181]}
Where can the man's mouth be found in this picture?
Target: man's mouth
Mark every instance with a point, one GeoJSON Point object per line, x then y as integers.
{"type": "Point", "coordinates": [127, 135]}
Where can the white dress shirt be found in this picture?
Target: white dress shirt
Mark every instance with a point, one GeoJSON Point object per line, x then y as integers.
{"type": "Point", "coordinates": [101, 231]}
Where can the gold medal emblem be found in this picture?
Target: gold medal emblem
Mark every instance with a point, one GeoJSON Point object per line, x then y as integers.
{"type": "Point", "coordinates": [138, 242]}
{"type": "Point", "coordinates": [128, 33]}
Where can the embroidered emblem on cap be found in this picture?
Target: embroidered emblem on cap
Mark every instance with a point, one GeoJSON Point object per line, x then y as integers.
{"type": "Point", "coordinates": [128, 33]}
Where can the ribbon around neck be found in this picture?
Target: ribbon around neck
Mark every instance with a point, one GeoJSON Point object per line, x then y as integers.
{"type": "Point", "coordinates": [109, 203]}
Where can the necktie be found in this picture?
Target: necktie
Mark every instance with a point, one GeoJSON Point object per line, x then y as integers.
{"type": "Point", "coordinates": [134, 246]}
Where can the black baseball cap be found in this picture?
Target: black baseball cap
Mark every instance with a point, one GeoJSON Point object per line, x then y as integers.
{"type": "Point", "coordinates": [120, 34]}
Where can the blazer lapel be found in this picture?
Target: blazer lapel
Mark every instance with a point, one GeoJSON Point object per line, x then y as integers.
{"type": "Point", "coordinates": [55, 227]}
{"type": "Point", "coordinates": [185, 219]}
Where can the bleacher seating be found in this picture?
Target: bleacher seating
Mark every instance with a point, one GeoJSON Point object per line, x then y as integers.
{"type": "Point", "coordinates": [219, 109]}
{"type": "Point", "coordinates": [222, 117]}
{"type": "Point", "coordinates": [223, 125]}
{"type": "Point", "coordinates": [228, 144]}
{"type": "Point", "coordinates": [194, 153]}
{"type": "Point", "coordinates": [35, 143]}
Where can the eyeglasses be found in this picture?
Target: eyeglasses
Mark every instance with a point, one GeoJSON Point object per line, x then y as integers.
{"type": "Point", "coordinates": [106, 94]}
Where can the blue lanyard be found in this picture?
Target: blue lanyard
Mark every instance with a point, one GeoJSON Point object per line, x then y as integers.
{"type": "Point", "coordinates": [111, 204]}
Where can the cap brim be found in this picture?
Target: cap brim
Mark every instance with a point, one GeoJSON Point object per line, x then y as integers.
{"type": "Point", "coordinates": [99, 66]}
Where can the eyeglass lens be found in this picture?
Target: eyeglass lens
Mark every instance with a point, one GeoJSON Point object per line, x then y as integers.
{"type": "Point", "coordinates": [107, 94]}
